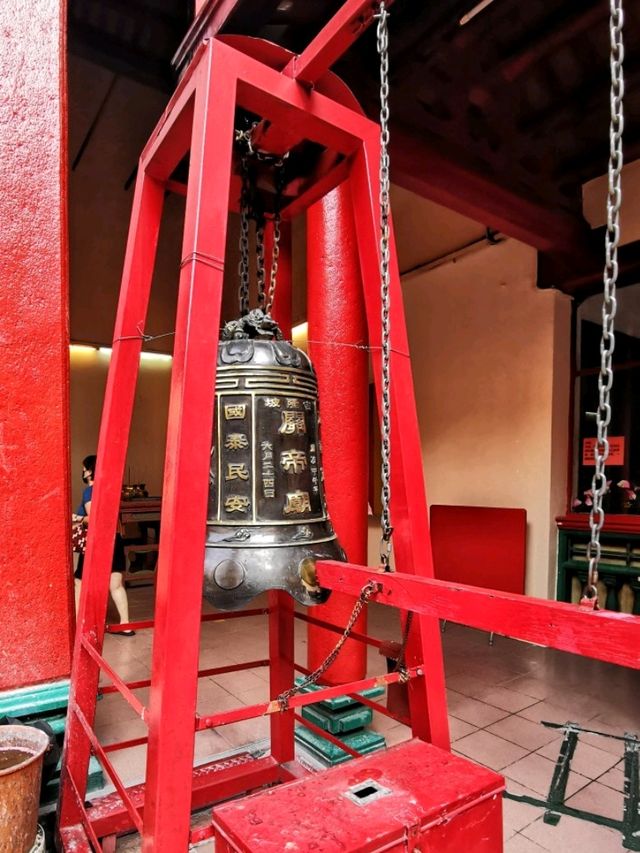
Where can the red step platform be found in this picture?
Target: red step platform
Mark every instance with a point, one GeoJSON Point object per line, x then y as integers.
{"type": "Point", "coordinates": [413, 797]}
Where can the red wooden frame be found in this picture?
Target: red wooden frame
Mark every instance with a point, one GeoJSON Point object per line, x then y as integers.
{"type": "Point", "coordinates": [200, 118]}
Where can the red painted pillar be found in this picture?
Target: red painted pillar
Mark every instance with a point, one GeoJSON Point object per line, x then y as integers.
{"type": "Point", "coordinates": [36, 623]}
{"type": "Point", "coordinates": [336, 317]}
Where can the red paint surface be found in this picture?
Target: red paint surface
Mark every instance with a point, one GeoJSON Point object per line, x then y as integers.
{"type": "Point", "coordinates": [434, 801]}
{"type": "Point", "coordinates": [337, 320]}
{"type": "Point", "coordinates": [601, 634]}
{"type": "Point", "coordinates": [480, 545]}
{"type": "Point", "coordinates": [36, 623]}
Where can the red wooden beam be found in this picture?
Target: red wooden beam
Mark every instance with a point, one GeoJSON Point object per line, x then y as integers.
{"type": "Point", "coordinates": [424, 168]}
{"type": "Point", "coordinates": [333, 40]}
{"type": "Point", "coordinates": [600, 634]}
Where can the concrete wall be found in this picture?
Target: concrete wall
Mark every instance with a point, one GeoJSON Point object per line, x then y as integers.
{"type": "Point", "coordinates": [36, 604]}
{"type": "Point", "coordinates": [491, 370]}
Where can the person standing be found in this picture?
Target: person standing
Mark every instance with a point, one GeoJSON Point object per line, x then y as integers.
{"type": "Point", "coordinates": [116, 586]}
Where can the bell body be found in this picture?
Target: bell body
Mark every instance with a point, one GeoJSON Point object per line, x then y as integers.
{"type": "Point", "coordinates": [267, 520]}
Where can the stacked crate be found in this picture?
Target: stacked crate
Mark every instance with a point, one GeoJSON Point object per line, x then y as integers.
{"type": "Point", "coordinates": [346, 719]}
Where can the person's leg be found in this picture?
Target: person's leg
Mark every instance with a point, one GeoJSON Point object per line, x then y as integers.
{"type": "Point", "coordinates": [77, 575]}
{"type": "Point", "coordinates": [77, 583]}
{"type": "Point", "coordinates": [119, 596]}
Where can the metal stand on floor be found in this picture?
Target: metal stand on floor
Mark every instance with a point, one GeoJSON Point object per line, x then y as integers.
{"type": "Point", "coordinates": [555, 805]}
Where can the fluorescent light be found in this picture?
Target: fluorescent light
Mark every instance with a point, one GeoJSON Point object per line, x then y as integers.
{"type": "Point", "coordinates": [105, 350]}
{"type": "Point", "coordinates": [155, 356]}
{"type": "Point", "coordinates": [300, 331]}
{"type": "Point", "coordinates": [479, 7]}
{"type": "Point", "coordinates": [81, 348]}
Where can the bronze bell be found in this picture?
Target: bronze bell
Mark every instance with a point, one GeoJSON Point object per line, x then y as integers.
{"type": "Point", "coordinates": [267, 521]}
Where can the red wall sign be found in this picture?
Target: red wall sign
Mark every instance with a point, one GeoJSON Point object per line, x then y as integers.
{"type": "Point", "coordinates": [616, 451]}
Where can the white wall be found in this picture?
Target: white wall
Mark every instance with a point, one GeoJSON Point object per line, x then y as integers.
{"type": "Point", "coordinates": [490, 359]}
{"type": "Point", "coordinates": [145, 458]}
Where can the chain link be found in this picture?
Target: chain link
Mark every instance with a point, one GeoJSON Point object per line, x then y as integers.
{"type": "Point", "coordinates": [260, 275]}
{"type": "Point", "coordinates": [251, 208]}
{"type": "Point", "coordinates": [383, 51]}
{"type": "Point", "coordinates": [275, 256]}
{"type": "Point", "coordinates": [243, 245]}
{"type": "Point", "coordinates": [368, 590]}
{"type": "Point", "coordinates": [609, 305]}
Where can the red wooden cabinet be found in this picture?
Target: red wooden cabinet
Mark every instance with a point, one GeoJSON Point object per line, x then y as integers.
{"type": "Point", "coordinates": [412, 797]}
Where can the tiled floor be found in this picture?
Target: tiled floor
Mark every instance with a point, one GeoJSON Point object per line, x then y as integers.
{"type": "Point", "coordinates": [498, 695]}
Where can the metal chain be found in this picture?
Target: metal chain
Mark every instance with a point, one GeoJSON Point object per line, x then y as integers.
{"type": "Point", "coordinates": [260, 275]}
{"type": "Point", "coordinates": [401, 665]}
{"type": "Point", "coordinates": [275, 250]}
{"type": "Point", "coordinates": [243, 265]}
{"type": "Point", "coordinates": [609, 305]}
{"type": "Point", "coordinates": [369, 589]}
{"type": "Point", "coordinates": [383, 51]}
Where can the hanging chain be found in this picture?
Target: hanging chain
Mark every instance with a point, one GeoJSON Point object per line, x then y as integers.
{"type": "Point", "coordinates": [370, 589]}
{"type": "Point", "coordinates": [383, 51]}
{"type": "Point", "coordinates": [251, 208]}
{"type": "Point", "coordinates": [243, 265]}
{"type": "Point", "coordinates": [275, 250]}
{"type": "Point", "coordinates": [260, 276]}
{"type": "Point", "coordinates": [607, 344]}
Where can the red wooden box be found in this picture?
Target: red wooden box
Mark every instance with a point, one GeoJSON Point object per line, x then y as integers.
{"type": "Point", "coordinates": [413, 796]}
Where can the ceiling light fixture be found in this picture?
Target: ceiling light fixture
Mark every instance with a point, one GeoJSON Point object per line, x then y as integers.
{"type": "Point", "coordinates": [479, 7]}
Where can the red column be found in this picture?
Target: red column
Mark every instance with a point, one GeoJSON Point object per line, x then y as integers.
{"type": "Point", "coordinates": [336, 317]}
{"type": "Point", "coordinates": [36, 624]}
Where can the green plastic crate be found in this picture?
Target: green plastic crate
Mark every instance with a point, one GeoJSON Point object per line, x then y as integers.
{"type": "Point", "coordinates": [354, 718]}
{"type": "Point", "coordinates": [363, 742]}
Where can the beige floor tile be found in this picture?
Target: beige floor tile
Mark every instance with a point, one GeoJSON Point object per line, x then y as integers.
{"type": "Point", "coordinates": [472, 711]}
{"type": "Point", "coordinates": [490, 750]}
{"type": "Point", "coordinates": [536, 687]}
{"type": "Point", "coordinates": [397, 734]}
{"type": "Point", "coordinates": [458, 728]}
{"type": "Point", "coordinates": [239, 681]}
{"type": "Point", "coordinates": [520, 844]}
{"type": "Point", "coordinates": [613, 778]}
{"type": "Point", "coordinates": [515, 816]}
{"type": "Point", "coordinates": [254, 696]}
{"type": "Point", "coordinates": [598, 799]}
{"type": "Point", "coordinates": [587, 760]}
{"type": "Point", "coordinates": [523, 732]}
{"type": "Point", "coordinates": [574, 836]}
{"type": "Point", "coordinates": [551, 713]}
{"type": "Point", "coordinates": [503, 697]}
{"type": "Point", "coordinates": [122, 730]}
{"type": "Point", "coordinates": [536, 772]}
{"type": "Point", "coordinates": [130, 763]}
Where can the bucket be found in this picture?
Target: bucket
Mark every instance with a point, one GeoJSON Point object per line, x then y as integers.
{"type": "Point", "coordinates": [21, 752]}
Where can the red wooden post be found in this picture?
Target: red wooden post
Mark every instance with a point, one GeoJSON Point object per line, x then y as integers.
{"type": "Point", "coordinates": [37, 622]}
{"type": "Point", "coordinates": [411, 543]}
{"type": "Point", "coordinates": [337, 327]}
{"type": "Point", "coordinates": [185, 492]}
{"type": "Point", "coordinates": [281, 606]}
{"type": "Point", "coordinates": [112, 451]}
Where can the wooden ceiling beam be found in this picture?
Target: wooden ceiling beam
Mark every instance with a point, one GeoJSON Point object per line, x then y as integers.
{"type": "Point", "coordinates": [216, 16]}
{"type": "Point", "coordinates": [423, 167]}
{"type": "Point", "coordinates": [582, 279]}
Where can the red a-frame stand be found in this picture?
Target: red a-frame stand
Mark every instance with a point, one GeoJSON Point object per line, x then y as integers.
{"type": "Point", "coordinates": [200, 120]}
